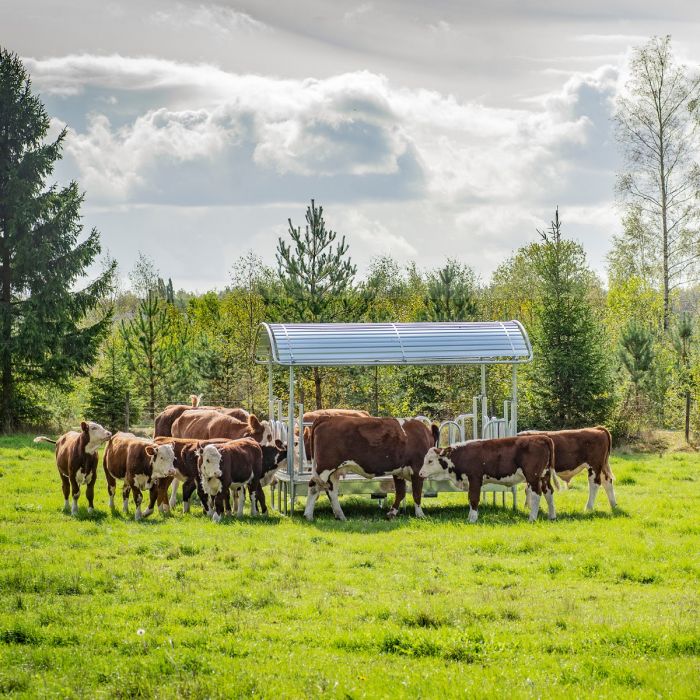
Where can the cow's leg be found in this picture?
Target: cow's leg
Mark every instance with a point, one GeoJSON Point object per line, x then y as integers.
{"type": "Point", "coordinates": [333, 491]}
{"type": "Point", "coordinates": [218, 507]}
{"type": "Point", "coordinates": [111, 486]}
{"type": "Point", "coordinates": [535, 495]}
{"type": "Point", "coordinates": [607, 481]}
{"type": "Point", "coordinates": [138, 499]}
{"type": "Point", "coordinates": [75, 489]}
{"type": "Point", "coordinates": [227, 501]}
{"type": "Point", "coordinates": [251, 493]}
{"type": "Point", "coordinates": [593, 486]}
{"type": "Point", "coordinates": [400, 489]}
{"type": "Point", "coordinates": [260, 497]}
{"type": "Point", "coordinates": [126, 491]}
{"type": "Point", "coordinates": [90, 491]}
{"type": "Point", "coordinates": [240, 493]}
{"type": "Point", "coordinates": [311, 498]}
{"type": "Point", "coordinates": [162, 493]}
{"type": "Point", "coordinates": [188, 488]}
{"type": "Point", "coordinates": [65, 485]}
{"type": "Point", "coordinates": [173, 496]}
{"type": "Point", "coordinates": [207, 504]}
{"type": "Point", "coordinates": [474, 498]}
{"type": "Point", "coordinates": [152, 499]}
{"type": "Point", "coordinates": [528, 493]}
{"type": "Point", "coordinates": [549, 497]}
{"type": "Point", "coordinates": [417, 488]}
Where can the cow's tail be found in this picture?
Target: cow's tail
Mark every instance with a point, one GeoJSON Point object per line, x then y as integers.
{"type": "Point", "coordinates": [551, 466]}
{"type": "Point", "coordinates": [43, 438]}
{"type": "Point", "coordinates": [609, 436]}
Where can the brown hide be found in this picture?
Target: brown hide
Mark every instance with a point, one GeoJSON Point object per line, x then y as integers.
{"type": "Point", "coordinates": [127, 455]}
{"type": "Point", "coordinates": [164, 420]}
{"type": "Point", "coordinates": [241, 462]}
{"type": "Point", "coordinates": [377, 445]}
{"type": "Point", "coordinates": [202, 424]}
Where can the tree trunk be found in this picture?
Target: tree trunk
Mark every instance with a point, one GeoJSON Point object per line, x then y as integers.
{"type": "Point", "coordinates": [317, 383]}
{"type": "Point", "coordinates": [687, 416]}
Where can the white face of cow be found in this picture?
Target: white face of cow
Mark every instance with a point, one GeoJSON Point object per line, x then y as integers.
{"type": "Point", "coordinates": [435, 463]}
{"type": "Point", "coordinates": [163, 462]}
{"type": "Point", "coordinates": [210, 463]}
{"type": "Point", "coordinates": [267, 433]}
{"type": "Point", "coordinates": [97, 436]}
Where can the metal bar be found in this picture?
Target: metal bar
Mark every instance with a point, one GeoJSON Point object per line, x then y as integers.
{"type": "Point", "coordinates": [290, 424]}
{"type": "Point", "coordinates": [475, 413]}
{"type": "Point", "coordinates": [270, 397]}
{"type": "Point", "coordinates": [514, 402]}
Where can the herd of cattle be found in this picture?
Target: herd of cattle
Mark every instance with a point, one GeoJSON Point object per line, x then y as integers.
{"type": "Point", "coordinates": [220, 452]}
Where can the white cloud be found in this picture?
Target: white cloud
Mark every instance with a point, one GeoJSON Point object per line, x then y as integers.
{"type": "Point", "coordinates": [212, 18]}
{"type": "Point", "coordinates": [357, 12]}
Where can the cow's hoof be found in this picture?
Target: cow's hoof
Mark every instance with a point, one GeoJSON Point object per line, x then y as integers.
{"type": "Point", "coordinates": [91, 510]}
{"type": "Point", "coordinates": [391, 513]}
{"type": "Point", "coordinates": [341, 518]}
{"type": "Point", "coordinates": [419, 512]}
{"type": "Point", "coordinates": [309, 517]}
{"type": "Point", "coordinates": [552, 517]}
{"type": "Point", "coordinates": [74, 511]}
{"type": "Point", "coordinates": [216, 518]}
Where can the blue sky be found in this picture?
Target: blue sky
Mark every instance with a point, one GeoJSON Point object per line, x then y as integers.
{"type": "Point", "coordinates": [426, 130]}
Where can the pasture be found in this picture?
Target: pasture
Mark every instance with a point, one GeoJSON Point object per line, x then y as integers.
{"type": "Point", "coordinates": [177, 606]}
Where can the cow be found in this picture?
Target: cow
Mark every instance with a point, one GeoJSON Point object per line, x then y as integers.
{"type": "Point", "coordinates": [185, 465]}
{"type": "Point", "coordinates": [274, 457]}
{"type": "Point", "coordinates": [239, 413]}
{"type": "Point", "coordinates": [576, 450]}
{"type": "Point", "coordinates": [508, 461]}
{"type": "Point", "coordinates": [226, 468]}
{"type": "Point", "coordinates": [369, 447]}
{"type": "Point", "coordinates": [310, 418]}
{"type": "Point", "coordinates": [164, 420]}
{"type": "Point", "coordinates": [203, 424]}
{"type": "Point", "coordinates": [140, 463]}
{"type": "Point", "coordinates": [76, 460]}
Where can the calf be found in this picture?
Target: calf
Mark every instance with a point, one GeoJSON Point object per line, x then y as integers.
{"type": "Point", "coordinates": [576, 450]}
{"type": "Point", "coordinates": [369, 447]}
{"type": "Point", "coordinates": [164, 420]}
{"type": "Point", "coordinates": [508, 461]}
{"type": "Point", "coordinates": [76, 459]}
{"type": "Point", "coordinates": [226, 468]}
{"type": "Point", "coordinates": [312, 416]}
{"type": "Point", "coordinates": [139, 463]}
{"type": "Point", "coordinates": [204, 424]}
{"type": "Point", "coordinates": [185, 465]}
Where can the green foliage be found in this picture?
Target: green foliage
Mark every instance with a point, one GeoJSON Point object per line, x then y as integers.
{"type": "Point", "coordinates": [570, 375]}
{"type": "Point", "coordinates": [112, 400]}
{"type": "Point", "coordinates": [450, 294]}
{"type": "Point", "coordinates": [44, 336]}
{"type": "Point", "coordinates": [637, 353]}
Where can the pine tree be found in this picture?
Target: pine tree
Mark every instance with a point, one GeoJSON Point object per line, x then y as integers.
{"type": "Point", "coordinates": [149, 348]}
{"type": "Point", "coordinates": [637, 357]}
{"type": "Point", "coordinates": [316, 274]}
{"type": "Point", "coordinates": [683, 340]}
{"type": "Point", "coordinates": [111, 397]}
{"type": "Point", "coordinates": [450, 294]}
{"type": "Point", "coordinates": [45, 338]}
{"type": "Point", "coordinates": [570, 380]}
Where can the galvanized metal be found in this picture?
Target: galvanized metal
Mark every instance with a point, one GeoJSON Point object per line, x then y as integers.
{"type": "Point", "coordinates": [358, 344]}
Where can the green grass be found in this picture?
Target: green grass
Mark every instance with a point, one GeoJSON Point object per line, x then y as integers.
{"type": "Point", "coordinates": [597, 604]}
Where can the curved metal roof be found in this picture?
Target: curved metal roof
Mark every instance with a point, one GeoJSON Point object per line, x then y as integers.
{"type": "Point", "coordinates": [343, 344]}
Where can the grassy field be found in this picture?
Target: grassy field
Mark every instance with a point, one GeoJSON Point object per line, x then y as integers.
{"type": "Point", "coordinates": [598, 604]}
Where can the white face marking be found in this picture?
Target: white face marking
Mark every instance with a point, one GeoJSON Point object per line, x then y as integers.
{"type": "Point", "coordinates": [210, 464]}
{"type": "Point", "coordinates": [98, 436]}
{"type": "Point", "coordinates": [267, 437]}
{"type": "Point", "coordinates": [432, 465]}
{"type": "Point", "coordinates": [163, 462]}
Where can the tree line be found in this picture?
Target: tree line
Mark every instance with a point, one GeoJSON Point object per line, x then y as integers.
{"type": "Point", "coordinates": [621, 351]}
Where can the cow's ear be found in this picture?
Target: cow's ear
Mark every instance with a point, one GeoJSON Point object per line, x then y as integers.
{"type": "Point", "coordinates": [84, 427]}
{"type": "Point", "coordinates": [435, 430]}
{"type": "Point", "coordinates": [151, 450]}
{"type": "Point", "coordinates": [279, 444]}
{"type": "Point", "coordinates": [253, 422]}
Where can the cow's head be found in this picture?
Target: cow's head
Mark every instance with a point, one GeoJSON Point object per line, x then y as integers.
{"type": "Point", "coordinates": [162, 458]}
{"type": "Point", "coordinates": [274, 456]}
{"type": "Point", "coordinates": [262, 430]}
{"type": "Point", "coordinates": [209, 462]}
{"type": "Point", "coordinates": [95, 435]}
{"type": "Point", "coordinates": [437, 461]}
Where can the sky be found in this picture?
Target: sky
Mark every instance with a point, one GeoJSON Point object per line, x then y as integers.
{"type": "Point", "coordinates": [426, 130]}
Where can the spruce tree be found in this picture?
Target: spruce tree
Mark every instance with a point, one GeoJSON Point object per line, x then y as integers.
{"type": "Point", "coordinates": [570, 378]}
{"type": "Point", "coordinates": [683, 340]}
{"type": "Point", "coordinates": [45, 338]}
{"type": "Point", "coordinates": [316, 274]}
{"type": "Point", "coordinates": [637, 358]}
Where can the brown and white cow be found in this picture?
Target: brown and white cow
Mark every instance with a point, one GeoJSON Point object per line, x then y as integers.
{"type": "Point", "coordinates": [587, 448]}
{"type": "Point", "coordinates": [508, 461]}
{"type": "Point", "coordinates": [203, 424]}
{"type": "Point", "coordinates": [185, 466]}
{"type": "Point", "coordinates": [369, 447]}
{"type": "Point", "coordinates": [311, 417]}
{"type": "Point", "coordinates": [227, 468]}
{"type": "Point", "coordinates": [139, 463]}
{"type": "Point", "coordinates": [164, 420]}
{"type": "Point", "coordinates": [76, 460]}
